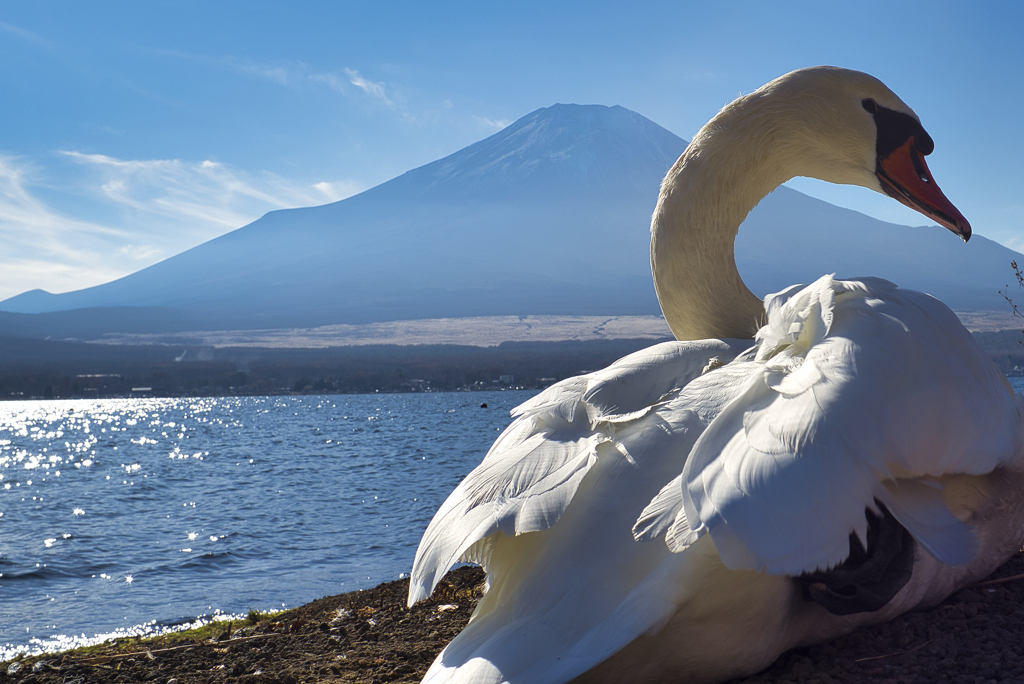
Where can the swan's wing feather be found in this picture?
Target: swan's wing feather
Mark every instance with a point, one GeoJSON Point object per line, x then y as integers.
{"type": "Point", "coordinates": [781, 510]}
{"type": "Point", "coordinates": [706, 396]}
{"type": "Point", "coordinates": [664, 515]}
{"type": "Point", "coordinates": [919, 506]}
{"type": "Point", "coordinates": [639, 380]}
{"type": "Point", "coordinates": [491, 500]}
{"type": "Point", "coordinates": [561, 639]}
{"type": "Point", "coordinates": [857, 386]}
{"type": "Point", "coordinates": [564, 599]}
{"type": "Point", "coordinates": [533, 470]}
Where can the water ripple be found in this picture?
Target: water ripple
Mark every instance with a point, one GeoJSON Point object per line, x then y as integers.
{"type": "Point", "coordinates": [216, 504]}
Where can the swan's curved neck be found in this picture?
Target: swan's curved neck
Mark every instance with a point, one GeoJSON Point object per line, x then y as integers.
{"type": "Point", "coordinates": [733, 162]}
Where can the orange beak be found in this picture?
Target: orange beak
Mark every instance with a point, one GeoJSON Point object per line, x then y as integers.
{"type": "Point", "coordinates": [905, 177]}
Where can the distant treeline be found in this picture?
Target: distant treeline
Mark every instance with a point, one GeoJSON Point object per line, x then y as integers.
{"type": "Point", "coordinates": [32, 368]}
{"type": "Point", "coordinates": [48, 369]}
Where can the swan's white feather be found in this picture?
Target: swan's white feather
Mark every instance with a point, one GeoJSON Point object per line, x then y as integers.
{"type": "Point", "coordinates": [858, 388]}
{"type": "Point", "coordinates": [773, 457]}
{"type": "Point", "coordinates": [534, 469]}
{"type": "Point", "coordinates": [563, 599]}
{"type": "Point", "coordinates": [919, 505]}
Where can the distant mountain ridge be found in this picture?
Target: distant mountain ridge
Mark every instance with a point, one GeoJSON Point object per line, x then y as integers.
{"type": "Point", "coordinates": [549, 216]}
{"type": "Point", "coordinates": [469, 234]}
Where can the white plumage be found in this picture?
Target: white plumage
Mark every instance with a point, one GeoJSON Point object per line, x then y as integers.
{"type": "Point", "coordinates": [857, 390]}
{"type": "Point", "coordinates": [644, 522]}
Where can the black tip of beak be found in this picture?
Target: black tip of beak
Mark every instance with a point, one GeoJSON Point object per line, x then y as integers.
{"type": "Point", "coordinates": [964, 230]}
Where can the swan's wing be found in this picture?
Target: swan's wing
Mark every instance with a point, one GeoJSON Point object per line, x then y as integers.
{"type": "Point", "coordinates": [564, 599]}
{"type": "Point", "coordinates": [533, 470]}
{"type": "Point", "coordinates": [861, 391]}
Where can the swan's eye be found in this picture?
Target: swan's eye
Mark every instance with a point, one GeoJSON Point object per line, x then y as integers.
{"type": "Point", "coordinates": [869, 105]}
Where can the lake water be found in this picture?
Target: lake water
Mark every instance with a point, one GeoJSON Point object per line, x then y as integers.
{"type": "Point", "coordinates": [127, 515]}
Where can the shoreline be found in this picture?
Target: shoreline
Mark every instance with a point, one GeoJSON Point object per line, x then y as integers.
{"type": "Point", "coordinates": [368, 636]}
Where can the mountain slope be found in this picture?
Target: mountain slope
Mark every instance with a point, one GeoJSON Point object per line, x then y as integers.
{"type": "Point", "coordinates": [548, 216]}
{"type": "Point", "coordinates": [509, 225]}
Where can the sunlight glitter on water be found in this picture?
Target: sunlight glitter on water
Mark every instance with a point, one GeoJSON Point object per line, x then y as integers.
{"type": "Point", "coordinates": [64, 642]}
{"type": "Point", "coordinates": [216, 503]}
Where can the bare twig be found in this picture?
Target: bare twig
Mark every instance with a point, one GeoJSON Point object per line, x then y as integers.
{"type": "Point", "coordinates": [99, 660]}
{"type": "Point", "coordinates": [1001, 580]}
{"type": "Point", "coordinates": [1005, 293]}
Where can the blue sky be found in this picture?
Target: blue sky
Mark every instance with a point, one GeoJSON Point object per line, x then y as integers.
{"type": "Point", "coordinates": [131, 131]}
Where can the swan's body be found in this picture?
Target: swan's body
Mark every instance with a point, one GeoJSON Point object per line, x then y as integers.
{"type": "Point", "coordinates": [645, 523]}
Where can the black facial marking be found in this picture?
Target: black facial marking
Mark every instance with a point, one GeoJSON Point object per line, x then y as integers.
{"type": "Point", "coordinates": [895, 128]}
{"type": "Point", "coordinates": [899, 131]}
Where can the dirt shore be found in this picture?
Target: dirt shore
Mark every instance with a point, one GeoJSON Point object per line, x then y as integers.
{"type": "Point", "coordinates": [974, 637]}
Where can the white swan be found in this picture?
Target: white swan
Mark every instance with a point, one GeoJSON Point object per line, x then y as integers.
{"type": "Point", "coordinates": [697, 508]}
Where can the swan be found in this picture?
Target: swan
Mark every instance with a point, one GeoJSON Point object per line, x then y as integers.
{"type": "Point", "coordinates": [786, 471]}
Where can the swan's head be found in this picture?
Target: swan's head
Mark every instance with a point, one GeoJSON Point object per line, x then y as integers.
{"type": "Point", "coordinates": [848, 127]}
{"type": "Point", "coordinates": [834, 124]}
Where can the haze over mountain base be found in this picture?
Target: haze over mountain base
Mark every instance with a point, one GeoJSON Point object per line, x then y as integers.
{"type": "Point", "coordinates": [481, 331]}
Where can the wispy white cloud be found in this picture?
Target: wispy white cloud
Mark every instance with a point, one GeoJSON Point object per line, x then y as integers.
{"type": "Point", "coordinates": [368, 87]}
{"type": "Point", "coordinates": [337, 190]}
{"type": "Point", "coordinates": [297, 75]}
{"type": "Point", "coordinates": [19, 207]}
{"type": "Point", "coordinates": [206, 192]}
{"type": "Point", "coordinates": [332, 81]}
{"type": "Point", "coordinates": [22, 275]}
{"type": "Point", "coordinates": [33, 240]}
{"type": "Point", "coordinates": [139, 212]}
{"type": "Point", "coordinates": [24, 34]}
{"type": "Point", "coordinates": [278, 73]}
{"type": "Point", "coordinates": [493, 123]}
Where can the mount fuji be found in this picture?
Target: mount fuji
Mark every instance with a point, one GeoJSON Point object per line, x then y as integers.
{"type": "Point", "coordinates": [548, 216]}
